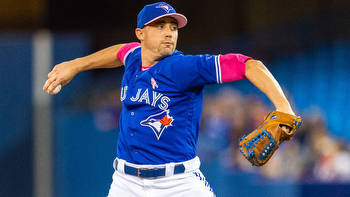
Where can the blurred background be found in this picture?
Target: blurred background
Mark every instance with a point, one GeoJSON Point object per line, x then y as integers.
{"type": "Point", "coordinates": [64, 145]}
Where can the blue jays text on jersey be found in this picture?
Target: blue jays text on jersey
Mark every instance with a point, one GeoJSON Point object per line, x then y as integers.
{"type": "Point", "coordinates": [147, 96]}
{"type": "Point", "coordinates": [161, 106]}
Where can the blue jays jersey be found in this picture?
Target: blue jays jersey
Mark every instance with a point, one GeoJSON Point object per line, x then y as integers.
{"type": "Point", "coordinates": [161, 106]}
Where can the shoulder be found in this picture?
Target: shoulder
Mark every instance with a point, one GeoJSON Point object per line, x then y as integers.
{"type": "Point", "coordinates": [183, 65]}
{"type": "Point", "coordinates": [129, 50]}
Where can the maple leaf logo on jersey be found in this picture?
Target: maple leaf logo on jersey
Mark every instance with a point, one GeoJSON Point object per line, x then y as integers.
{"type": "Point", "coordinates": [158, 122]}
{"type": "Point", "coordinates": [164, 7]}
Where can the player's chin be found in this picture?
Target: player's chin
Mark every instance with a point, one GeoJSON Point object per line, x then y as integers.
{"type": "Point", "coordinates": [166, 52]}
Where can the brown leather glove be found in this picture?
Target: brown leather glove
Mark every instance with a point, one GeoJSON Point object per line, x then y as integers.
{"type": "Point", "coordinates": [260, 144]}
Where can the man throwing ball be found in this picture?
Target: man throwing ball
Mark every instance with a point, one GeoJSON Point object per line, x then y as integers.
{"type": "Point", "coordinates": [162, 95]}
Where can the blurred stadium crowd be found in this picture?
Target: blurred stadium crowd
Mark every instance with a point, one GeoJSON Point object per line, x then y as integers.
{"type": "Point", "coordinates": [312, 156]}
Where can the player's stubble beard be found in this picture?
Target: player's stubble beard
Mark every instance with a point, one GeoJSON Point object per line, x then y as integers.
{"type": "Point", "coordinates": [165, 49]}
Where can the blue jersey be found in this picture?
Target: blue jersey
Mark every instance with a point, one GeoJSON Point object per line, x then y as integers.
{"type": "Point", "coordinates": [161, 106]}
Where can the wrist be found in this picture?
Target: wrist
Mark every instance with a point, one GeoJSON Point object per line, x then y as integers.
{"type": "Point", "coordinates": [286, 109]}
{"type": "Point", "coordinates": [282, 105]}
{"type": "Point", "coordinates": [79, 65]}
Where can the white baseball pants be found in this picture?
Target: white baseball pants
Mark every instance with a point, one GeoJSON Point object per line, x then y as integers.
{"type": "Point", "coordinates": [187, 184]}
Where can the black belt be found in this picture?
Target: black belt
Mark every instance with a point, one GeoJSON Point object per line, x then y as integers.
{"type": "Point", "coordinates": [151, 172]}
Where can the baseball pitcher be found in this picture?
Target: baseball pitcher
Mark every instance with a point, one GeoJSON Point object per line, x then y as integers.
{"type": "Point", "coordinates": [162, 95]}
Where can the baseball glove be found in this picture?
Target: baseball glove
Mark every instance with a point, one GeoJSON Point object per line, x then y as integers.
{"type": "Point", "coordinates": [259, 145]}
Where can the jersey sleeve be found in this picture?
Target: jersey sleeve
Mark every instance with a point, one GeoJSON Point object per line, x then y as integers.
{"type": "Point", "coordinates": [199, 70]}
{"type": "Point", "coordinates": [126, 50]}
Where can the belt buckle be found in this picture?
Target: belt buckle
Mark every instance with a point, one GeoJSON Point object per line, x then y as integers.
{"type": "Point", "coordinates": [138, 171]}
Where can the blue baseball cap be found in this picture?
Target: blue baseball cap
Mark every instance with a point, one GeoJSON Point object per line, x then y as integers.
{"type": "Point", "coordinates": [154, 11]}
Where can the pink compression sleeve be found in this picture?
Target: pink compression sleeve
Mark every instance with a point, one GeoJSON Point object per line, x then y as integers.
{"type": "Point", "coordinates": [126, 49]}
{"type": "Point", "coordinates": [232, 67]}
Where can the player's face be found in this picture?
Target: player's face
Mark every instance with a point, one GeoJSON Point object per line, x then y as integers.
{"type": "Point", "coordinates": [160, 36]}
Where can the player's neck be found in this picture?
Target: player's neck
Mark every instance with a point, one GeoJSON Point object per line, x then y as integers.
{"type": "Point", "coordinates": [148, 58]}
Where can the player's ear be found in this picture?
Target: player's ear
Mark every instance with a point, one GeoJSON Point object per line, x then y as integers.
{"type": "Point", "coordinates": [139, 34]}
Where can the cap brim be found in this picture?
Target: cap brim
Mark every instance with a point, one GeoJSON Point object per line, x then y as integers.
{"type": "Point", "coordinates": [181, 19]}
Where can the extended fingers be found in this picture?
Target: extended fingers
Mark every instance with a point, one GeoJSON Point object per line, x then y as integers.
{"type": "Point", "coordinates": [52, 87]}
{"type": "Point", "coordinates": [59, 75]}
{"type": "Point", "coordinates": [48, 83]}
{"type": "Point", "coordinates": [51, 83]}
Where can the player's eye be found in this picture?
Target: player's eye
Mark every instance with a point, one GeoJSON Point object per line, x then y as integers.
{"type": "Point", "coordinates": [160, 26]}
{"type": "Point", "coordinates": [173, 27]}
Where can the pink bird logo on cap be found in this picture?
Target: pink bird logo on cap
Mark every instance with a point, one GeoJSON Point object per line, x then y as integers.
{"type": "Point", "coordinates": [164, 7]}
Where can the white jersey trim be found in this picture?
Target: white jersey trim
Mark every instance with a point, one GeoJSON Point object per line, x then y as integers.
{"type": "Point", "coordinates": [218, 69]}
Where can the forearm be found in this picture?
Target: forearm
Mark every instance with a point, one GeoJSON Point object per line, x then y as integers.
{"type": "Point", "coordinates": [105, 58]}
{"type": "Point", "coordinates": [260, 76]}
{"type": "Point", "coordinates": [64, 72]}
